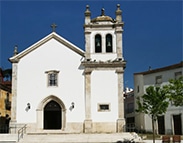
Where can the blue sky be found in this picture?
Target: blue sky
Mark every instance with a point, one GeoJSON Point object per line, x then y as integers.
{"type": "Point", "coordinates": [152, 31]}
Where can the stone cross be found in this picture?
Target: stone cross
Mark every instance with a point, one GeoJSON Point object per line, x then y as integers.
{"type": "Point", "coordinates": [53, 26]}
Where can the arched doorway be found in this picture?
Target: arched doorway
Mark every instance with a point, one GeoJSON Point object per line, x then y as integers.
{"type": "Point", "coordinates": [52, 115]}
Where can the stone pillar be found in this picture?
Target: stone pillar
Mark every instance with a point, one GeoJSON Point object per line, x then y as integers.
{"type": "Point", "coordinates": [87, 15]}
{"type": "Point", "coordinates": [87, 33]}
{"type": "Point", "coordinates": [14, 97]}
{"type": "Point", "coordinates": [87, 43]}
{"type": "Point", "coordinates": [120, 120]}
{"type": "Point", "coordinates": [39, 119]}
{"type": "Point", "coordinates": [118, 14]}
{"type": "Point", "coordinates": [88, 121]}
{"type": "Point", "coordinates": [119, 43]}
{"type": "Point", "coordinates": [119, 30]}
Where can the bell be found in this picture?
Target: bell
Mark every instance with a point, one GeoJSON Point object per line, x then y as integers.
{"type": "Point", "coordinates": [108, 44]}
{"type": "Point", "coordinates": [98, 44]}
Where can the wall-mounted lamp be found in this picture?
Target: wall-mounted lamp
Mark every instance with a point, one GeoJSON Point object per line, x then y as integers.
{"type": "Point", "coordinates": [119, 59]}
{"type": "Point", "coordinates": [28, 107]}
{"type": "Point", "coordinates": [72, 106]}
{"type": "Point", "coordinates": [88, 59]}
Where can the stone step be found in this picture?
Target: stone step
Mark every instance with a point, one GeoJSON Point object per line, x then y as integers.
{"type": "Point", "coordinates": [76, 138]}
{"type": "Point", "coordinates": [7, 141]}
{"type": "Point", "coordinates": [8, 138]}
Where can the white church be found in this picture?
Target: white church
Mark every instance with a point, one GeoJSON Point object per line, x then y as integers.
{"type": "Point", "coordinates": [56, 86]}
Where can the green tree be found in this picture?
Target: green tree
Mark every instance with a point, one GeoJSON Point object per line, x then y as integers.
{"type": "Point", "coordinates": [175, 91]}
{"type": "Point", "coordinates": [154, 103]}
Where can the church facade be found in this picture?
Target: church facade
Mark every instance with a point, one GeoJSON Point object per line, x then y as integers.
{"type": "Point", "coordinates": [58, 86]}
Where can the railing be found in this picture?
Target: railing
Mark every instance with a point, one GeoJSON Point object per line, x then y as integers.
{"type": "Point", "coordinates": [4, 129]}
{"type": "Point", "coordinates": [21, 132]}
{"type": "Point", "coordinates": [13, 129]}
{"type": "Point", "coordinates": [131, 127]}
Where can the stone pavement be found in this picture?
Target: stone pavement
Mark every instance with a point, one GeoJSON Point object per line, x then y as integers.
{"type": "Point", "coordinates": [151, 141]}
{"type": "Point", "coordinates": [74, 138]}
{"type": "Point", "coordinates": [157, 141]}
{"type": "Point", "coordinates": [77, 138]}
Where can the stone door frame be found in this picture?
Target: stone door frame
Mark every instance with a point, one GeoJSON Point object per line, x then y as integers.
{"type": "Point", "coordinates": [40, 111]}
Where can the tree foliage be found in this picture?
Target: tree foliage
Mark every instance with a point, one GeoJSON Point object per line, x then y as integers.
{"type": "Point", "coordinates": [175, 91]}
{"type": "Point", "coordinates": [153, 103]}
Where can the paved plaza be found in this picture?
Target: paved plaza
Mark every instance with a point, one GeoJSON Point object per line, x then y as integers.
{"type": "Point", "coordinates": [76, 138]}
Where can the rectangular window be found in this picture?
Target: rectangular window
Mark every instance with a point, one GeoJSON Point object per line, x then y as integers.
{"type": "Point", "coordinates": [138, 89]}
{"type": "Point", "coordinates": [7, 102]}
{"type": "Point", "coordinates": [52, 78]}
{"type": "Point", "coordinates": [178, 75]}
{"type": "Point", "coordinates": [7, 96]}
{"type": "Point", "coordinates": [158, 79]}
{"type": "Point", "coordinates": [103, 107]}
{"type": "Point", "coordinates": [130, 107]}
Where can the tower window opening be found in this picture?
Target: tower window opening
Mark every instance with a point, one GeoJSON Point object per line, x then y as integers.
{"type": "Point", "coordinates": [108, 43]}
{"type": "Point", "coordinates": [98, 44]}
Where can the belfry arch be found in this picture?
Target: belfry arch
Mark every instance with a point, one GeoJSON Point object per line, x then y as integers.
{"type": "Point", "coordinates": [45, 110]}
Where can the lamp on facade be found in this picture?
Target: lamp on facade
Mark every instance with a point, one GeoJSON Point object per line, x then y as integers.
{"type": "Point", "coordinates": [28, 107]}
{"type": "Point", "coordinates": [72, 106]}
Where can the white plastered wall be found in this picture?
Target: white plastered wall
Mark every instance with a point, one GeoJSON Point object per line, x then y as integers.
{"type": "Point", "coordinates": [104, 91]}
{"type": "Point", "coordinates": [32, 81]}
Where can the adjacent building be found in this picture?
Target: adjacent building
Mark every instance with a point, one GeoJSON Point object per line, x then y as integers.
{"type": "Point", "coordinates": [5, 104]}
{"type": "Point", "coordinates": [172, 121]}
{"type": "Point", "coordinates": [129, 103]}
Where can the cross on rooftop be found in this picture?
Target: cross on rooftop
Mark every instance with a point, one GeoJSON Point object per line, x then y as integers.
{"type": "Point", "coordinates": [53, 26]}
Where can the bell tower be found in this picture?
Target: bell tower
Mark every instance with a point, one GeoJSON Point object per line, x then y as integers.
{"type": "Point", "coordinates": [103, 36]}
{"type": "Point", "coordinates": [104, 66]}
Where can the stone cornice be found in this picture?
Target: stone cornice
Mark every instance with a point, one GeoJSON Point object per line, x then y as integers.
{"type": "Point", "coordinates": [87, 32]}
{"type": "Point", "coordinates": [52, 71]}
{"type": "Point", "coordinates": [87, 71]}
{"type": "Point", "coordinates": [96, 25]}
{"type": "Point", "coordinates": [15, 60]}
{"type": "Point", "coordinates": [120, 24]}
{"type": "Point", "coordinates": [100, 64]}
{"type": "Point", "coordinates": [120, 70]}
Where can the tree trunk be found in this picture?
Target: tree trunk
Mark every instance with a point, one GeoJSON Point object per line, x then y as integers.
{"type": "Point", "coordinates": [153, 129]}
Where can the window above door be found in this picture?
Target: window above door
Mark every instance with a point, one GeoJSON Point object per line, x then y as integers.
{"type": "Point", "coordinates": [52, 78]}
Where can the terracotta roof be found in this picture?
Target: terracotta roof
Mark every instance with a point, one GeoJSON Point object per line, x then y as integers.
{"type": "Point", "coordinates": [174, 66]}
